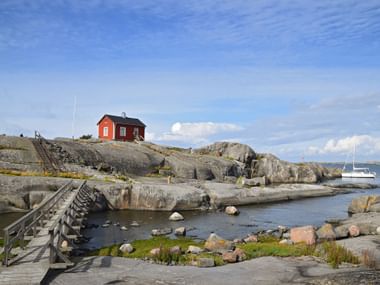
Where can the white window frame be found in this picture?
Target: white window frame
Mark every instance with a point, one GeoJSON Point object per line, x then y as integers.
{"type": "Point", "coordinates": [123, 131]}
{"type": "Point", "coordinates": [136, 132]}
{"type": "Point", "coordinates": [105, 131]}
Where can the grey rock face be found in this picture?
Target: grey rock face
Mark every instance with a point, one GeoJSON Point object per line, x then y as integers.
{"type": "Point", "coordinates": [279, 171]}
{"type": "Point", "coordinates": [235, 151]}
{"type": "Point", "coordinates": [363, 204]}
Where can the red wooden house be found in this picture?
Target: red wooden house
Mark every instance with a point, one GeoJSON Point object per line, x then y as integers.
{"type": "Point", "coordinates": [120, 128]}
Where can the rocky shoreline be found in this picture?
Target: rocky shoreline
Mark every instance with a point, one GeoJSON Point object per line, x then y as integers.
{"type": "Point", "coordinates": [23, 193]}
{"type": "Point", "coordinates": [264, 270]}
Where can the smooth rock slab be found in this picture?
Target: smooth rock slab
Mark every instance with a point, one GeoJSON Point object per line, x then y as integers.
{"type": "Point", "coordinates": [304, 234]}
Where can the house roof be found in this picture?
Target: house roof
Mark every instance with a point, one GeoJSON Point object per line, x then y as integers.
{"type": "Point", "coordinates": [124, 121]}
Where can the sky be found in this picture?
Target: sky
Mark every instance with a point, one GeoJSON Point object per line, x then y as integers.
{"type": "Point", "coordinates": [300, 79]}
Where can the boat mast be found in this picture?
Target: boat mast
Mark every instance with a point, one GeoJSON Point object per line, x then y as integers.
{"type": "Point", "coordinates": [353, 158]}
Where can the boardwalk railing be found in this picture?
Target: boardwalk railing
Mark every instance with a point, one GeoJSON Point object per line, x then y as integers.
{"type": "Point", "coordinates": [67, 226]}
{"type": "Point", "coordinates": [29, 225]}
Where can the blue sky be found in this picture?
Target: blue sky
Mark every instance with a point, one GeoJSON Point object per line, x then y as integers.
{"type": "Point", "coordinates": [296, 78]}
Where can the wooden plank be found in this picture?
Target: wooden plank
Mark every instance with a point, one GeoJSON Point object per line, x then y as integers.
{"type": "Point", "coordinates": [32, 264]}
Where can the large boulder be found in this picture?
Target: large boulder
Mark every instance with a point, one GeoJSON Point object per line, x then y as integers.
{"type": "Point", "coordinates": [304, 234]}
{"type": "Point", "coordinates": [364, 204]}
{"type": "Point", "coordinates": [326, 232]}
{"type": "Point", "coordinates": [215, 243]}
{"type": "Point", "coordinates": [279, 171]}
{"type": "Point", "coordinates": [229, 150]}
{"type": "Point", "coordinates": [341, 231]}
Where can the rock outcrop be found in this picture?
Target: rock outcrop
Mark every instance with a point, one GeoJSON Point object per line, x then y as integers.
{"type": "Point", "coordinates": [279, 171]}
{"type": "Point", "coordinates": [304, 234]}
{"type": "Point", "coordinates": [363, 204]}
{"type": "Point", "coordinates": [221, 162]}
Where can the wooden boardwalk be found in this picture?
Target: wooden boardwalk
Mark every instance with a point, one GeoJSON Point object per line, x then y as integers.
{"type": "Point", "coordinates": [45, 251]}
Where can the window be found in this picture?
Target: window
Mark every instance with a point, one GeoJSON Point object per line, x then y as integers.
{"type": "Point", "coordinates": [105, 131]}
{"type": "Point", "coordinates": [136, 132]}
{"type": "Point", "coordinates": [123, 131]}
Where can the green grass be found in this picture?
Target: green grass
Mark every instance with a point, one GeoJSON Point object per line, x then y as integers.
{"type": "Point", "coordinates": [254, 250]}
{"type": "Point", "coordinates": [2, 147]}
{"type": "Point", "coordinates": [1, 242]}
{"type": "Point", "coordinates": [72, 175]}
{"type": "Point", "coordinates": [335, 254]}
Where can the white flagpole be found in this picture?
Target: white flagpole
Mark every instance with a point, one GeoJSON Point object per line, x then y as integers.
{"type": "Point", "coordinates": [74, 113]}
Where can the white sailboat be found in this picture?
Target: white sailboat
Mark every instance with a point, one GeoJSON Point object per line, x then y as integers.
{"type": "Point", "coordinates": [357, 172]}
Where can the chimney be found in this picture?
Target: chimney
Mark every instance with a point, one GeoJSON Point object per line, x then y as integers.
{"type": "Point", "coordinates": [124, 115]}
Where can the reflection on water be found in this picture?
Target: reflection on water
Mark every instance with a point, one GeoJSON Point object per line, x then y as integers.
{"type": "Point", "coordinates": [251, 219]}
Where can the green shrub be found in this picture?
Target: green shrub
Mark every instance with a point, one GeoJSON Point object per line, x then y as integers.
{"type": "Point", "coordinates": [86, 137]}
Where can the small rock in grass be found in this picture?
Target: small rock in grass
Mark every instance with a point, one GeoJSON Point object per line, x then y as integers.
{"type": "Point", "coordinates": [155, 251]}
{"type": "Point", "coordinates": [176, 217]}
{"type": "Point", "coordinates": [123, 228]}
{"type": "Point", "coordinates": [127, 247]}
{"type": "Point", "coordinates": [238, 240]}
{"type": "Point", "coordinates": [286, 241]}
{"type": "Point", "coordinates": [215, 243]}
{"type": "Point", "coordinates": [194, 249]}
{"type": "Point", "coordinates": [175, 250]}
{"type": "Point", "coordinates": [378, 230]}
{"type": "Point", "coordinates": [286, 235]}
{"type": "Point", "coordinates": [135, 224]}
{"type": "Point", "coordinates": [251, 238]}
{"type": "Point", "coordinates": [234, 256]}
{"type": "Point", "coordinates": [105, 225]}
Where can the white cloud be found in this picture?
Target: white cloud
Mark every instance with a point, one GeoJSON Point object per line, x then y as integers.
{"type": "Point", "coordinates": [194, 133]}
{"type": "Point", "coordinates": [366, 143]}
